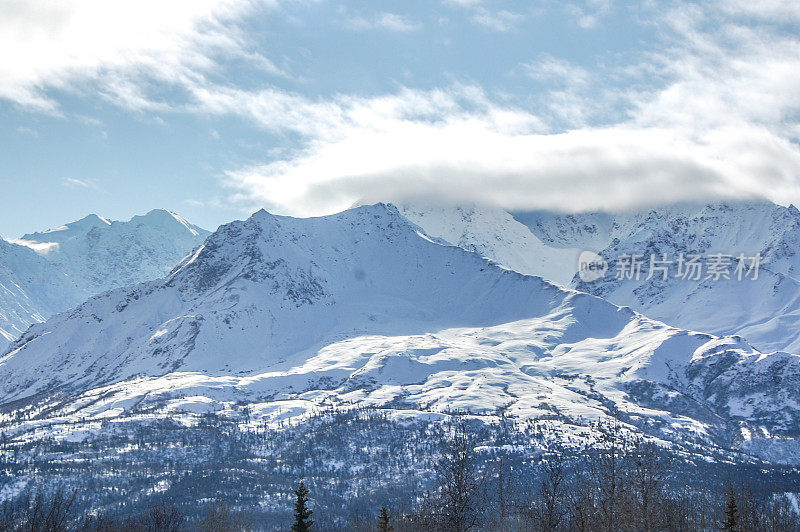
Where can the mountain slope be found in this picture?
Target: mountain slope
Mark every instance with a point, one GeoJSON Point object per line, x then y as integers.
{"type": "Point", "coordinates": [101, 255]}
{"type": "Point", "coordinates": [31, 289]}
{"type": "Point", "coordinates": [45, 273]}
{"type": "Point", "coordinates": [494, 233]}
{"type": "Point", "coordinates": [283, 316]}
{"type": "Point", "coordinates": [766, 311]}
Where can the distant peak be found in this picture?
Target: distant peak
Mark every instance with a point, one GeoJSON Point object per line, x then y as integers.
{"type": "Point", "coordinates": [161, 214]}
{"type": "Point", "coordinates": [91, 220]}
{"type": "Point", "coordinates": [262, 216]}
{"type": "Point", "coordinates": [262, 213]}
{"type": "Point", "coordinates": [165, 218]}
{"type": "Point", "coordinates": [86, 223]}
{"type": "Point", "coordinates": [377, 208]}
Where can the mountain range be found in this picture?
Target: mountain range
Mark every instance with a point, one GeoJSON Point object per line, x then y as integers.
{"type": "Point", "coordinates": [765, 310]}
{"type": "Point", "coordinates": [48, 272]}
{"type": "Point", "coordinates": [275, 318]}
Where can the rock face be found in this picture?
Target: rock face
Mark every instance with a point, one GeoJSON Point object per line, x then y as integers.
{"type": "Point", "coordinates": [49, 272]}
{"type": "Point", "coordinates": [286, 315]}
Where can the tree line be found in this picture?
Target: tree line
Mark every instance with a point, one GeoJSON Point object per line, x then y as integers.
{"type": "Point", "coordinates": [620, 482]}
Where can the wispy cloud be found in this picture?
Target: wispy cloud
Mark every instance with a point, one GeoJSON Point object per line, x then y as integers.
{"type": "Point", "coordinates": [716, 117]}
{"type": "Point", "coordinates": [464, 3]}
{"type": "Point", "coordinates": [28, 131]}
{"type": "Point", "coordinates": [589, 13]}
{"type": "Point", "coordinates": [384, 21]}
{"type": "Point", "coordinates": [551, 69]}
{"type": "Point", "coordinates": [80, 183]}
{"type": "Point", "coordinates": [502, 20]}
{"type": "Point", "coordinates": [116, 46]}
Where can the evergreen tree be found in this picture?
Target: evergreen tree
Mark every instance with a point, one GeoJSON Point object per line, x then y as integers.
{"type": "Point", "coordinates": [302, 515]}
{"type": "Point", "coordinates": [383, 521]}
{"type": "Point", "coordinates": [731, 511]}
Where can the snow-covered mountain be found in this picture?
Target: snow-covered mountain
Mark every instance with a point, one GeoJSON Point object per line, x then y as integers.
{"type": "Point", "coordinates": [766, 310]}
{"type": "Point", "coordinates": [49, 272]}
{"type": "Point", "coordinates": [494, 233]}
{"type": "Point", "coordinates": [284, 316]}
{"type": "Point", "coordinates": [31, 290]}
{"type": "Point", "coordinates": [100, 254]}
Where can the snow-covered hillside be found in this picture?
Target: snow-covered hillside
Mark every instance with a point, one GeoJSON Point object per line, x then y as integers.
{"type": "Point", "coordinates": [31, 290]}
{"type": "Point", "coordinates": [101, 255]}
{"type": "Point", "coordinates": [284, 316]}
{"type": "Point", "coordinates": [766, 311]}
{"type": "Point", "coordinates": [494, 233]}
{"type": "Point", "coordinates": [49, 272]}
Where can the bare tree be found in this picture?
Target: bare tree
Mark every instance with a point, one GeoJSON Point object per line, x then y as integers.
{"type": "Point", "coordinates": [549, 509]}
{"type": "Point", "coordinates": [221, 518]}
{"type": "Point", "coordinates": [605, 465]}
{"type": "Point", "coordinates": [459, 485]}
{"type": "Point", "coordinates": [582, 509]}
{"type": "Point", "coordinates": [40, 513]}
{"type": "Point", "coordinates": [163, 518]}
{"type": "Point", "coordinates": [646, 474]}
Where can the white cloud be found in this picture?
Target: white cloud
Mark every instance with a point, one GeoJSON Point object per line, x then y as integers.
{"type": "Point", "coordinates": [774, 10]}
{"type": "Point", "coordinates": [464, 3]}
{"type": "Point", "coordinates": [22, 130]}
{"type": "Point", "coordinates": [588, 15]}
{"type": "Point", "coordinates": [461, 147]}
{"type": "Point", "coordinates": [384, 21]}
{"type": "Point", "coordinates": [549, 68]}
{"type": "Point", "coordinates": [81, 183]}
{"type": "Point", "coordinates": [475, 158]}
{"type": "Point", "coordinates": [501, 20]}
{"type": "Point", "coordinates": [63, 45]}
{"type": "Point", "coordinates": [718, 119]}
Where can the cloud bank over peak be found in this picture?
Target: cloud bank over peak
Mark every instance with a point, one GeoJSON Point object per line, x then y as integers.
{"type": "Point", "coordinates": [712, 114]}
{"type": "Point", "coordinates": [395, 105]}
{"type": "Point", "coordinates": [485, 158]}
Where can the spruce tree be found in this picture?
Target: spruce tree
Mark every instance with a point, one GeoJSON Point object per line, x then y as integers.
{"type": "Point", "coordinates": [731, 511]}
{"type": "Point", "coordinates": [302, 515]}
{"type": "Point", "coordinates": [383, 521]}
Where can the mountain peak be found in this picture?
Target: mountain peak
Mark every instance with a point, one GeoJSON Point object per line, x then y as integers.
{"type": "Point", "coordinates": [165, 219]}
{"type": "Point", "coordinates": [86, 223]}
{"type": "Point", "coordinates": [91, 219]}
{"type": "Point", "coordinates": [262, 215]}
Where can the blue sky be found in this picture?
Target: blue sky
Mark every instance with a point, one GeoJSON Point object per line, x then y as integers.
{"type": "Point", "coordinates": [215, 108]}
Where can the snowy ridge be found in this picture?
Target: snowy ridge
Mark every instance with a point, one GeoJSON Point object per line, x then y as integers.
{"type": "Point", "coordinates": [102, 255]}
{"type": "Point", "coordinates": [44, 273]}
{"type": "Point", "coordinates": [31, 289]}
{"type": "Point", "coordinates": [357, 309]}
{"type": "Point", "coordinates": [765, 311]}
{"type": "Point", "coordinates": [494, 233]}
